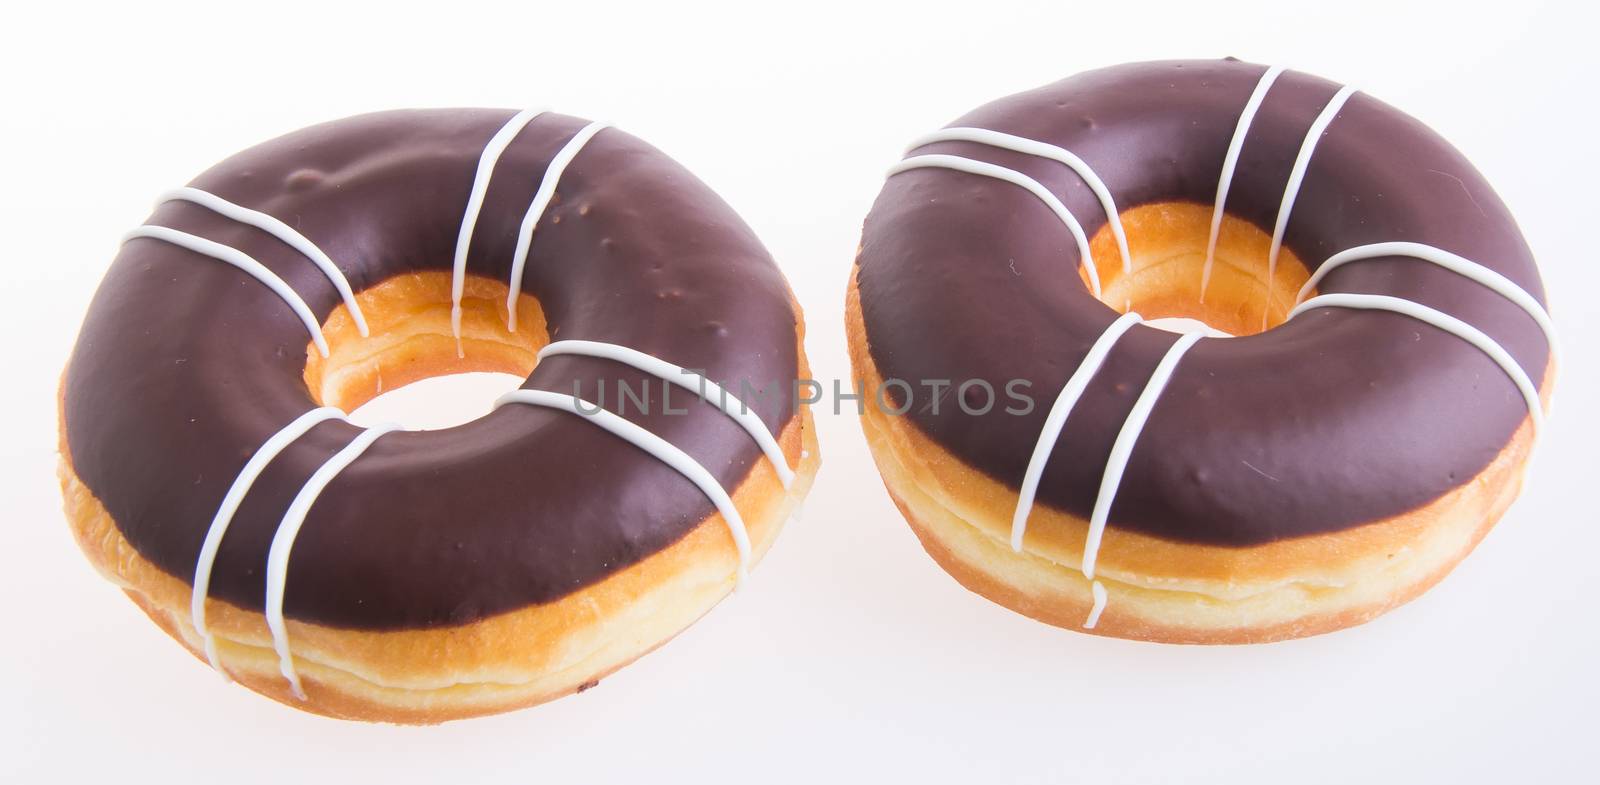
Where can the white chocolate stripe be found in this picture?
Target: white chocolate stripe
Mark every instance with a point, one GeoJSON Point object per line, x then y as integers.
{"type": "Point", "coordinates": [1229, 162]}
{"type": "Point", "coordinates": [469, 219]}
{"type": "Point", "coordinates": [1099, 607]}
{"type": "Point", "coordinates": [1122, 448]}
{"type": "Point", "coordinates": [1443, 321]}
{"type": "Point", "coordinates": [1014, 177]}
{"type": "Point", "coordinates": [1291, 191]}
{"type": "Point", "coordinates": [283, 543]}
{"type": "Point", "coordinates": [541, 200]}
{"type": "Point", "coordinates": [1022, 144]}
{"type": "Point", "coordinates": [708, 390]}
{"type": "Point", "coordinates": [1460, 265]}
{"type": "Point", "coordinates": [658, 447]}
{"type": "Point", "coordinates": [264, 454]}
{"type": "Point", "coordinates": [284, 232]}
{"type": "Point", "coordinates": [1068, 398]}
{"type": "Point", "coordinates": [241, 260]}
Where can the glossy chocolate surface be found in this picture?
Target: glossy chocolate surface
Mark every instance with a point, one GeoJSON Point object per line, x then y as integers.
{"type": "Point", "coordinates": [1335, 419]}
{"type": "Point", "coordinates": [185, 365]}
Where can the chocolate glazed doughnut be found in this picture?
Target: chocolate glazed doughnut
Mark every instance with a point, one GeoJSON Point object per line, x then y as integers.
{"type": "Point", "coordinates": [381, 574]}
{"type": "Point", "coordinates": [1284, 352]}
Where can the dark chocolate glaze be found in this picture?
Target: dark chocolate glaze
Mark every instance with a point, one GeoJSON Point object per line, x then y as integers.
{"type": "Point", "coordinates": [1335, 419]}
{"type": "Point", "coordinates": [185, 365]}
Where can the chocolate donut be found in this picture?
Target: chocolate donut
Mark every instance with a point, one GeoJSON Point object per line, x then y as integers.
{"type": "Point", "coordinates": [416, 576]}
{"type": "Point", "coordinates": [1277, 447]}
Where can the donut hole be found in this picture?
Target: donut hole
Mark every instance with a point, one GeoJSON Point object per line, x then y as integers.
{"type": "Point", "coordinates": [1167, 251]}
{"type": "Point", "coordinates": [409, 340]}
{"type": "Point", "coordinates": [436, 403]}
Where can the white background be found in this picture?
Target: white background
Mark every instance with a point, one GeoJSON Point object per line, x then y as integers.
{"type": "Point", "coordinates": [850, 655]}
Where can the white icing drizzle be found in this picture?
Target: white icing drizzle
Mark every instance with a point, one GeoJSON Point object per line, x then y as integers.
{"type": "Point", "coordinates": [1443, 321]}
{"type": "Point", "coordinates": [1229, 162]}
{"type": "Point", "coordinates": [241, 260]}
{"type": "Point", "coordinates": [264, 454]}
{"type": "Point", "coordinates": [284, 232]}
{"type": "Point", "coordinates": [1460, 265]}
{"type": "Point", "coordinates": [541, 200]}
{"type": "Point", "coordinates": [469, 220]}
{"type": "Point", "coordinates": [1122, 448]}
{"type": "Point", "coordinates": [1291, 191]}
{"type": "Point", "coordinates": [658, 447]}
{"type": "Point", "coordinates": [1014, 177]}
{"type": "Point", "coordinates": [1026, 146]}
{"type": "Point", "coordinates": [1051, 432]}
{"type": "Point", "coordinates": [1099, 593]}
{"type": "Point", "coordinates": [708, 390]}
{"type": "Point", "coordinates": [283, 543]}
